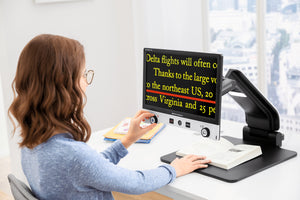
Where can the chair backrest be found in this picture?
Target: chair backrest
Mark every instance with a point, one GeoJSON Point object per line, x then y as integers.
{"type": "Point", "coordinates": [20, 190]}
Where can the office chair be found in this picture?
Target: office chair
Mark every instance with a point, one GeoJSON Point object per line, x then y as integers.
{"type": "Point", "coordinates": [20, 190]}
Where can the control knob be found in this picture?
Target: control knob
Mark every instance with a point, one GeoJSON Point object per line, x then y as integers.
{"type": "Point", "coordinates": [205, 132]}
{"type": "Point", "coordinates": [153, 119]}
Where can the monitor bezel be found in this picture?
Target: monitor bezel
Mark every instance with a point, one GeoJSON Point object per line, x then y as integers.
{"type": "Point", "coordinates": [217, 118]}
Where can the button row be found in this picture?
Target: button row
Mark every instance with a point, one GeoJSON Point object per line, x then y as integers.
{"type": "Point", "coordinates": [179, 122]}
{"type": "Point", "coordinates": [204, 131]}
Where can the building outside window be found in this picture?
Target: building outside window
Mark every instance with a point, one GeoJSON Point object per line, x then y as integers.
{"type": "Point", "coordinates": [233, 32]}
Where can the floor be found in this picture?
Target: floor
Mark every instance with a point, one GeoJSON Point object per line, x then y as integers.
{"type": "Point", "coordinates": [5, 193]}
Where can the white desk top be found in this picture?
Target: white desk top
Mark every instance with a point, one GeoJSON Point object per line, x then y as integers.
{"type": "Point", "coordinates": [279, 182]}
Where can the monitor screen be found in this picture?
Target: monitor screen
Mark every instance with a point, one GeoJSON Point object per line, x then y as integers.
{"type": "Point", "coordinates": [183, 88]}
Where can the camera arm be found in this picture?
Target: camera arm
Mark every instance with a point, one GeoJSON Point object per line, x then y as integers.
{"type": "Point", "coordinates": [261, 116]}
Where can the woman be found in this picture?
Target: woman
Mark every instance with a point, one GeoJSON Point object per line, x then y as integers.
{"type": "Point", "coordinates": [49, 86]}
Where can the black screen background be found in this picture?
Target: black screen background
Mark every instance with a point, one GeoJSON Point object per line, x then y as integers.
{"type": "Point", "coordinates": [149, 77]}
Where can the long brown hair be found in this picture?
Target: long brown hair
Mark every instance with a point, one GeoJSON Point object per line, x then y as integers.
{"type": "Point", "coordinates": [47, 93]}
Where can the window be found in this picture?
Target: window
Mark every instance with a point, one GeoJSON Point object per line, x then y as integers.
{"type": "Point", "coordinates": [233, 29]}
{"type": "Point", "coordinates": [283, 60]}
{"type": "Point", "coordinates": [233, 33]}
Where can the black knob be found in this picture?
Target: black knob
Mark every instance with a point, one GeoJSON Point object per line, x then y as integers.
{"type": "Point", "coordinates": [205, 132]}
{"type": "Point", "coordinates": [153, 119]}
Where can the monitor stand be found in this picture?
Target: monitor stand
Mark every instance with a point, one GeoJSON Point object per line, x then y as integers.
{"type": "Point", "coordinates": [271, 156]}
{"type": "Point", "coordinates": [262, 129]}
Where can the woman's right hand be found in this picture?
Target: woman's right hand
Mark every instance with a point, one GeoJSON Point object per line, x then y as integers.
{"type": "Point", "coordinates": [135, 131]}
{"type": "Point", "coordinates": [189, 163]}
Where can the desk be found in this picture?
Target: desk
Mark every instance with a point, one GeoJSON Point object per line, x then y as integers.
{"type": "Point", "coordinates": [279, 182]}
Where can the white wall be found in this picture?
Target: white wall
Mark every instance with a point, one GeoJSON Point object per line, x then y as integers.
{"type": "Point", "coordinates": [167, 24]}
{"type": "Point", "coordinates": [104, 27]}
{"type": "Point", "coordinates": [4, 147]}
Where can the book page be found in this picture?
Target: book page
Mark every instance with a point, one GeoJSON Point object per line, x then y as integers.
{"type": "Point", "coordinates": [123, 127]}
{"type": "Point", "coordinates": [206, 147]}
{"type": "Point", "coordinates": [222, 153]}
{"type": "Point", "coordinates": [235, 155]}
{"type": "Point", "coordinates": [231, 154]}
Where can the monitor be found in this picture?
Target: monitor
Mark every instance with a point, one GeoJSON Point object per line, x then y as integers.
{"type": "Point", "coordinates": [183, 89]}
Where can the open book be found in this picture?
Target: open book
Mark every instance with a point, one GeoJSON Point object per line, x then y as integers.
{"type": "Point", "coordinates": [122, 128]}
{"type": "Point", "coordinates": [222, 153]}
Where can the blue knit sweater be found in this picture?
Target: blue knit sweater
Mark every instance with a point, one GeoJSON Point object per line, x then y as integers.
{"type": "Point", "coordinates": [63, 168]}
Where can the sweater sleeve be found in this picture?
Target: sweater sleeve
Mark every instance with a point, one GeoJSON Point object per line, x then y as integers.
{"type": "Point", "coordinates": [94, 170]}
{"type": "Point", "coordinates": [115, 152]}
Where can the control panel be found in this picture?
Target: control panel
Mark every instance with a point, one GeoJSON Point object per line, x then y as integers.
{"type": "Point", "coordinates": [204, 129]}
